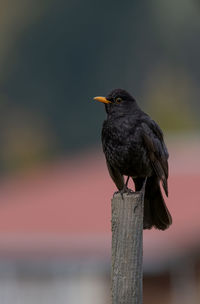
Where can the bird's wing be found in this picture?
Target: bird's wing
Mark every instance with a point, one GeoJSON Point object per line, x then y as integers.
{"type": "Point", "coordinates": [158, 154]}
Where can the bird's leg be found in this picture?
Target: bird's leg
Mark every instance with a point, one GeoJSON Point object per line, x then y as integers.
{"type": "Point", "coordinates": [125, 189]}
{"type": "Point", "coordinates": [144, 186]}
{"type": "Point", "coordinates": [126, 184]}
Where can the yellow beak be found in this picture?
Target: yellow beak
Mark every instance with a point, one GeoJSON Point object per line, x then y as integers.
{"type": "Point", "coordinates": [102, 99]}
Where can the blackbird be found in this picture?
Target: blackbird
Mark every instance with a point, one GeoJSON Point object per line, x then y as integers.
{"type": "Point", "coordinates": [133, 145]}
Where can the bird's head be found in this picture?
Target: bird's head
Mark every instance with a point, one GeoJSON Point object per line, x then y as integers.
{"type": "Point", "coordinates": [117, 101]}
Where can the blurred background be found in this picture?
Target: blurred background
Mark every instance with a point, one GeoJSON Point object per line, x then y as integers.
{"type": "Point", "coordinates": [54, 186]}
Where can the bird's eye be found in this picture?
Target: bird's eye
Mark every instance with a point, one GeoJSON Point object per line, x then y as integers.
{"type": "Point", "coordinates": [118, 99]}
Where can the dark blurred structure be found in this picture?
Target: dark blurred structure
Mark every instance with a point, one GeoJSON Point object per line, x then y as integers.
{"type": "Point", "coordinates": [54, 188]}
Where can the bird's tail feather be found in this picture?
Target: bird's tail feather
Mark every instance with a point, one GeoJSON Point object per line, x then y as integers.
{"type": "Point", "coordinates": [155, 210]}
{"type": "Point", "coordinates": [156, 213]}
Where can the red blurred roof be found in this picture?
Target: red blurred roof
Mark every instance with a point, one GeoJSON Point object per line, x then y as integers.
{"type": "Point", "coordinates": [65, 207]}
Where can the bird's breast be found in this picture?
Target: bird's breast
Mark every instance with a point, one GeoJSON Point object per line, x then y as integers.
{"type": "Point", "coordinates": [124, 149]}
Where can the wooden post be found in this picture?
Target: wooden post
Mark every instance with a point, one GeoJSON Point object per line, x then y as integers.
{"type": "Point", "coordinates": [127, 248]}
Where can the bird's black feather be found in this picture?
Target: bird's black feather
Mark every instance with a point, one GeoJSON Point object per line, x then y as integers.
{"type": "Point", "coordinates": [134, 146]}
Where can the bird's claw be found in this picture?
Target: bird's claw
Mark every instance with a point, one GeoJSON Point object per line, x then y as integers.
{"type": "Point", "coordinates": [123, 191]}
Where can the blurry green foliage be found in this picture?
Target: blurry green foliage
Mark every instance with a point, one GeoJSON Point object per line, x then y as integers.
{"type": "Point", "coordinates": [55, 56]}
{"type": "Point", "coordinates": [169, 96]}
{"type": "Point", "coordinates": [25, 139]}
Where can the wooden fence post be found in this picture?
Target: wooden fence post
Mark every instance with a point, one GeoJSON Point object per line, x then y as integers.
{"type": "Point", "coordinates": [127, 248]}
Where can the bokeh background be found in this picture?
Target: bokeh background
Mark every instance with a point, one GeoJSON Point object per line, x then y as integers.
{"type": "Point", "coordinates": [54, 187]}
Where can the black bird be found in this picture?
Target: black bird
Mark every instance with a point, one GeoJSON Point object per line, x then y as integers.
{"type": "Point", "coordinates": [133, 145]}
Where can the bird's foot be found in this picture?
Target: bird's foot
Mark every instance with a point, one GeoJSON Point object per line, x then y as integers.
{"type": "Point", "coordinates": [124, 190]}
